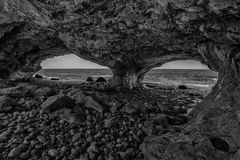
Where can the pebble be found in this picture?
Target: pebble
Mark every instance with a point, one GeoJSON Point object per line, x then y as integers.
{"type": "Point", "coordinates": [53, 152]}
{"type": "Point", "coordinates": [126, 154]}
{"type": "Point", "coordinates": [76, 137]}
{"type": "Point", "coordinates": [25, 155]}
{"type": "Point", "coordinates": [41, 139]}
{"type": "Point", "coordinates": [98, 135]}
{"type": "Point", "coordinates": [113, 133]}
{"type": "Point", "coordinates": [5, 134]}
{"type": "Point", "coordinates": [75, 151]}
{"type": "Point", "coordinates": [92, 148]}
{"type": "Point", "coordinates": [118, 140]}
{"type": "Point", "coordinates": [64, 149]}
{"type": "Point", "coordinates": [15, 152]}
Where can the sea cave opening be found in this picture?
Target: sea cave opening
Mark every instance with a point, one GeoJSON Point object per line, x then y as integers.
{"type": "Point", "coordinates": [188, 74]}
{"type": "Point", "coordinates": [73, 68]}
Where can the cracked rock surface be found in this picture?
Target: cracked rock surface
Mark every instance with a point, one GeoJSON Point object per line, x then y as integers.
{"type": "Point", "coordinates": [131, 37]}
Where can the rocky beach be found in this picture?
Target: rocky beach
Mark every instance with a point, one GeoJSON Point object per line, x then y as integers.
{"type": "Point", "coordinates": [44, 120]}
{"type": "Point", "coordinates": [120, 119]}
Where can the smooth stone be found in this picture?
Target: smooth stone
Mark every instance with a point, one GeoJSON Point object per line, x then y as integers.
{"type": "Point", "coordinates": [92, 148]}
{"type": "Point", "coordinates": [41, 139]}
{"type": "Point", "coordinates": [64, 149]}
{"type": "Point", "coordinates": [18, 91]}
{"type": "Point", "coordinates": [126, 154]}
{"type": "Point", "coordinates": [114, 106]}
{"type": "Point", "coordinates": [90, 79]}
{"type": "Point", "coordinates": [43, 91]}
{"type": "Point", "coordinates": [15, 152]}
{"type": "Point", "coordinates": [76, 137]}
{"type": "Point", "coordinates": [102, 80]}
{"type": "Point", "coordinates": [182, 87]}
{"type": "Point", "coordinates": [6, 104]}
{"type": "Point", "coordinates": [53, 152]}
{"type": "Point", "coordinates": [54, 79]}
{"type": "Point", "coordinates": [37, 76]}
{"type": "Point", "coordinates": [98, 135]}
{"type": "Point", "coordinates": [75, 151]}
{"type": "Point", "coordinates": [130, 108]}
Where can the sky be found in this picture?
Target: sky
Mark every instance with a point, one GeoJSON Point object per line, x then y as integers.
{"type": "Point", "coordinates": [73, 61]}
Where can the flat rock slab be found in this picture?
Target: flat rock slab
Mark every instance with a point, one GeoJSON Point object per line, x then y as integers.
{"type": "Point", "coordinates": [58, 102]}
{"type": "Point", "coordinates": [91, 103]}
{"type": "Point", "coordinates": [6, 104]}
{"type": "Point", "coordinates": [18, 91]}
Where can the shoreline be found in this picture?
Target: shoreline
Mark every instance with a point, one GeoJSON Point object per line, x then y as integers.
{"type": "Point", "coordinates": [121, 120]}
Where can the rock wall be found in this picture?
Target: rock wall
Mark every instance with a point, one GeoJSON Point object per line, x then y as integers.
{"type": "Point", "coordinates": [131, 37]}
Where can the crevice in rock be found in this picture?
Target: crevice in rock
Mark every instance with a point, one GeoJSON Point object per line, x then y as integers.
{"type": "Point", "coordinates": [219, 144]}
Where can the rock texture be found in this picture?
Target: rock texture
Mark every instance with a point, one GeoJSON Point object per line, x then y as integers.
{"type": "Point", "coordinates": [131, 37]}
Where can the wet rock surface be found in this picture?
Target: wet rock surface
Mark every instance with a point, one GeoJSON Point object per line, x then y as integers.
{"type": "Point", "coordinates": [80, 131]}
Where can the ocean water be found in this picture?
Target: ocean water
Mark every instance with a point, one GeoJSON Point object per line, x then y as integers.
{"type": "Point", "coordinates": [168, 77]}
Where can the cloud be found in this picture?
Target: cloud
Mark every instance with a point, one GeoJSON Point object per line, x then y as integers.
{"type": "Point", "coordinates": [72, 61]}
{"type": "Point", "coordinates": [68, 62]}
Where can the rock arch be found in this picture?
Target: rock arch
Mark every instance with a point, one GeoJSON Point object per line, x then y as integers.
{"type": "Point", "coordinates": [131, 37]}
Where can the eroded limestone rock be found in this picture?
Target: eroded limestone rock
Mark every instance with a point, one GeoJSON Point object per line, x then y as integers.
{"type": "Point", "coordinates": [57, 102]}
{"type": "Point", "coordinates": [131, 37]}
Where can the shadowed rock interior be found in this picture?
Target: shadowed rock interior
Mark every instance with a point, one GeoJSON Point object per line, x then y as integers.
{"type": "Point", "coordinates": [132, 37]}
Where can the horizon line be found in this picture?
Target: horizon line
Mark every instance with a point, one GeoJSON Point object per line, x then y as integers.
{"type": "Point", "coordinates": [151, 69]}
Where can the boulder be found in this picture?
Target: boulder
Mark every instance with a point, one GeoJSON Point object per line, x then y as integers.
{"type": "Point", "coordinates": [4, 73]}
{"type": "Point", "coordinates": [114, 106]}
{"type": "Point", "coordinates": [79, 112]}
{"type": "Point", "coordinates": [77, 95]}
{"type": "Point", "coordinates": [15, 152]}
{"type": "Point", "coordinates": [80, 98]}
{"type": "Point", "coordinates": [155, 125]}
{"type": "Point", "coordinates": [127, 155]}
{"type": "Point", "coordinates": [163, 107]}
{"type": "Point", "coordinates": [101, 79]}
{"type": "Point", "coordinates": [129, 108]}
{"type": "Point", "coordinates": [132, 38]}
{"type": "Point", "coordinates": [182, 87]}
{"type": "Point", "coordinates": [54, 79]}
{"type": "Point", "coordinates": [45, 91]}
{"type": "Point", "coordinates": [110, 122]}
{"type": "Point", "coordinates": [177, 120]}
{"type": "Point", "coordinates": [90, 79]}
{"type": "Point", "coordinates": [18, 91]}
{"type": "Point", "coordinates": [57, 102]}
{"type": "Point", "coordinates": [3, 85]}
{"type": "Point", "coordinates": [7, 104]}
{"type": "Point", "coordinates": [134, 107]}
{"type": "Point", "coordinates": [91, 103]}
{"type": "Point", "coordinates": [183, 150]}
{"type": "Point", "coordinates": [65, 114]}
{"type": "Point", "coordinates": [154, 147]}
{"type": "Point", "coordinates": [38, 76]}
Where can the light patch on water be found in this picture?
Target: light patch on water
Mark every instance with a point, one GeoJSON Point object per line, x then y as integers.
{"type": "Point", "coordinates": [199, 85]}
{"type": "Point", "coordinates": [104, 75]}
